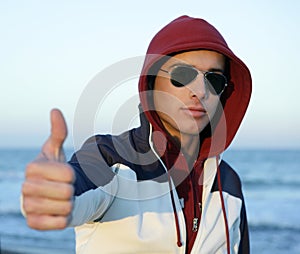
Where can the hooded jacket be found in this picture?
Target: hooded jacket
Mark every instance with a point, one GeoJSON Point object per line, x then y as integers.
{"type": "Point", "coordinates": [136, 194]}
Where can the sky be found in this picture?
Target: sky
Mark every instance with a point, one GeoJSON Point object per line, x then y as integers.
{"type": "Point", "coordinates": [51, 50]}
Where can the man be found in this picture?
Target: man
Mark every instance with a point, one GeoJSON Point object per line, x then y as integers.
{"type": "Point", "coordinates": [162, 187]}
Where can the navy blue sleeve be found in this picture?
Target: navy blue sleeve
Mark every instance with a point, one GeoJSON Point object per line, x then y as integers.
{"type": "Point", "coordinates": [91, 166]}
{"type": "Point", "coordinates": [244, 247]}
{"type": "Point", "coordinates": [231, 184]}
{"type": "Point", "coordinates": [82, 182]}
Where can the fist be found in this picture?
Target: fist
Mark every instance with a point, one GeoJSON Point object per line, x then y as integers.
{"type": "Point", "coordinates": [47, 191]}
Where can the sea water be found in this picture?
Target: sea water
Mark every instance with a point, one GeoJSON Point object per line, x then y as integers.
{"type": "Point", "coordinates": [15, 235]}
{"type": "Point", "coordinates": [271, 185]}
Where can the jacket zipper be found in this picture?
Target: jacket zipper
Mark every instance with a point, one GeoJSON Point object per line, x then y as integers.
{"type": "Point", "coordinates": [197, 199]}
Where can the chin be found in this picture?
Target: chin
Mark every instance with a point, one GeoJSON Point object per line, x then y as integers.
{"type": "Point", "coordinates": [190, 132]}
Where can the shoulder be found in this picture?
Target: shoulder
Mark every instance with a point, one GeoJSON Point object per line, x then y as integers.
{"type": "Point", "coordinates": [93, 161]}
{"type": "Point", "coordinates": [230, 180]}
{"type": "Point", "coordinates": [228, 173]}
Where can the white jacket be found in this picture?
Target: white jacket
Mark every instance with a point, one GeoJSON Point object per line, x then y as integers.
{"type": "Point", "coordinates": [127, 216]}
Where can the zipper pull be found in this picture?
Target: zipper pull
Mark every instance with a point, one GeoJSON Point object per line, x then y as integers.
{"type": "Point", "coordinates": [195, 224]}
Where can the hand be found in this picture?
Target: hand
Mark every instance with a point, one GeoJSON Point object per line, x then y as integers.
{"type": "Point", "coordinates": [48, 190]}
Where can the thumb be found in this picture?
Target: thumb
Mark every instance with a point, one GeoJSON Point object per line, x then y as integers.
{"type": "Point", "coordinates": [52, 149]}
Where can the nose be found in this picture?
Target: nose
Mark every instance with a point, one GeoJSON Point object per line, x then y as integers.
{"type": "Point", "coordinates": [198, 88]}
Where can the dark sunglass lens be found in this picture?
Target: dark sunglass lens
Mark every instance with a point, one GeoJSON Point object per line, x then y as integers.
{"type": "Point", "coordinates": [183, 75]}
{"type": "Point", "coordinates": [217, 82]}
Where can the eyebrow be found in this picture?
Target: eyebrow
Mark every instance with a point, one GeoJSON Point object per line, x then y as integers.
{"type": "Point", "coordinates": [216, 70]}
{"type": "Point", "coordinates": [213, 69]}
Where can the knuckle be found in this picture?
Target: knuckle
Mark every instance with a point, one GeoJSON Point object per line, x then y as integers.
{"type": "Point", "coordinates": [71, 191]}
{"type": "Point", "coordinates": [34, 169]}
{"type": "Point", "coordinates": [31, 188]}
{"type": "Point", "coordinates": [30, 168]}
{"type": "Point", "coordinates": [24, 188]}
{"type": "Point", "coordinates": [37, 222]}
{"type": "Point", "coordinates": [67, 191]}
{"type": "Point", "coordinates": [28, 205]}
{"type": "Point", "coordinates": [62, 223]}
{"type": "Point", "coordinates": [31, 222]}
{"type": "Point", "coordinates": [47, 222]}
{"type": "Point", "coordinates": [68, 173]}
{"type": "Point", "coordinates": [67, 209]}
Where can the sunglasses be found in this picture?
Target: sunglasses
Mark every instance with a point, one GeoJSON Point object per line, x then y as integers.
{"type": "Point", "coordinates": [182, 75]}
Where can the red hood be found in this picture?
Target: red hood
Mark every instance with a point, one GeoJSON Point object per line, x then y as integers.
{"type": "Point", "coordinates": [186, 33]}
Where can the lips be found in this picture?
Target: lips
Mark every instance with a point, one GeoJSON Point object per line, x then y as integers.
{"type": "Point", "coordinates": [195, 111]}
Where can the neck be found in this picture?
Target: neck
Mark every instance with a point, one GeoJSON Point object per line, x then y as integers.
{"type": "Point", "coordinates": [190, 147]}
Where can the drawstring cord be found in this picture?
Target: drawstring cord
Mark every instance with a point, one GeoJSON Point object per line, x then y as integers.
{"type": "Point", "coordinates": [179, 243]}
{"type": "Point", "coordinates": [223, 206]}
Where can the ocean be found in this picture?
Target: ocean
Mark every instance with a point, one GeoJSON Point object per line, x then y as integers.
{"type": "Point", "coordinates": [271, 185]}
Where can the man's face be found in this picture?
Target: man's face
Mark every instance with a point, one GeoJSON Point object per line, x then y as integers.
{"type": "Point", "coordinates": [187, 110]}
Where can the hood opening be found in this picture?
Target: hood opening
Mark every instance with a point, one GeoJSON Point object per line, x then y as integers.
{"type": "Point", "coordinates": [185, 34]}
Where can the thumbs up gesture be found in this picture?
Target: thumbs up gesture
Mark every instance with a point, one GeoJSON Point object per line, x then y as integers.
{"type": "Point", "coordinates": [47, 191]}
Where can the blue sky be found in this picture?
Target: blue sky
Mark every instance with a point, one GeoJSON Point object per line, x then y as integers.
{"type": "Point", "coordinates": [50, 50]}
